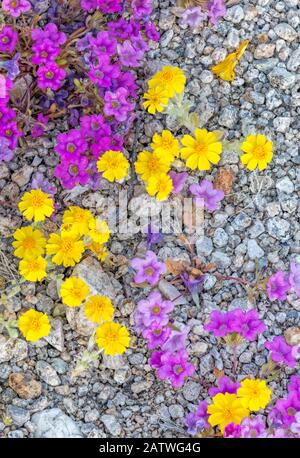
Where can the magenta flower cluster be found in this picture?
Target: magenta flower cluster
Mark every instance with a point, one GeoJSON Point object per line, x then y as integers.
{"type": "Point", "coordinates": [281, 352]}
{"type": "Point", "coordinates": [17, 7]}
{"type": "Point", "coordinates": [195, 15]}
{"type": "Point", "coordinates": [9, 131]}
{"type": "Point", "coordinates": [206, 195]}
{"type": "Point", "coordinates": [280, 283]}
{"type": "Point", "coordinates": [283, 414]}
{"type": "Point", "coordinates": [246, 324]}
{"type": "Point", "coordinates": [148, 269]}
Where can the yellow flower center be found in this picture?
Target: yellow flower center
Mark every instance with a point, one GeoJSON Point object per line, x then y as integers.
{"type": "Point", "coordinates": [5, 40]}
{"type": "Point", "coordinates": [34, 266]}
{"type": "Point", "coordinates": [29, 243]}
{"type": "Point", "coordinates": [113, 336]}
{"type": "Point", "coordinates": [71, 147]}
{"type": "Point", "coordinates": [8, 133]}
{"type": "Point", "coordinates": [13, 3]}
{"type": "Point", "coordinates": [113, 163]}
{"type": "Point", "coordinates": [227, 413]}
{"type": "Point", "coordinates": [37, 201]}
{"type": "Point", "coordinates": [153, 164]}
{"type": "Point", "coordinates": [178, 369]}
{"type": "Point", "coordinates": [156, 310]}
{"type": "Point", "coordinates": [76, 291]}
{"type": "Point", "coordinates": [167, 76]}
{"type": "Point", "coordinates": [200, 148]}
{"type": "Point", "coordinates": [167, 143]}
{"type": "Point", "coordinates": [157, 332]}
{"type": "Point", "coordinates": [259, 152]}
{"type": "Point", "coordinates": [67, 246]}
{"type": "Point", "coordinates": [149, 271]}
{"type": "Point", "coordinates": [49, 75]}
{"type": "Point", "coordinates": [35, 324]}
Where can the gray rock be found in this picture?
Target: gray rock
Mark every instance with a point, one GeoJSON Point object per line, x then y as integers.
{"type": "Point", "coordinates": [285, 31]}
{"type": "Point", "coordinates": [285, 185]}
{"type": "Point", "coordinates": [22, 176]}
{"type": "Point", "coordinates": [56, 336]}
{"type": "Point", "coordinates": [257, 229]}
{"type": "Point", "coordinates": [294, 60]}
{"type": "Point", "coordinates": [282, 123]}
{"type": "Point", "coordinates": [12, 349]}
{"type": "Point", "coordinates": [228, 116]}
{"type": "Point", "coordinates": [278, 228]}
{"type": "Point", "coordinates": [18, 415]}
{"type": "Point", "coordinates": [220, 238]}
{"type": "Point", "coordinates": [241, 222]}
{"type": "Point", "coordinates": [111, 424]}
{"type": "Point", "coordinates": [264, 51]}
{"type": "Point", "coordinates": [47, 373]}
{"type": "Point", "coordinates": [221, 259]}
{"type": "Point", "coordinates": [204, 247]}
{"type": "Point", "coordinates": [191, 390]}
{"type": "Point", "coordinates": [176, 411]}
{"type": "Point", "coordinates": [246, 357]}
{"type": "Point", "coordinates": [91, 416]}
{"type": "Point", "coordinates": [235, 14]}
{"type": "Point", "coordinates": [254, 250]}
{"type": "Point", "coordinates": [54, 423]}
{"type": "Point", "coordinates": [206, 364]}
{"type": "Point", "coordinates": [281, 78]}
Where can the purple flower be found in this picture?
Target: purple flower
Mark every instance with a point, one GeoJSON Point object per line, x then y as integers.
{"type": "Point", "coordinates": [39, 181]}
{"type": "Point", "coordinates": [127, 79]}
{"type": "Point", "coordinates": [44, 52]}
{"type": "Point", "coordinates": [109, 6]}
{"type": "Point", "coordinates": [51, 33]}
{"type": "Point", "coordinates": [156, 335]}
{"type": "Point", "coordinates": [39, 127]}
{"type": "Point", "coordinates": [176, 341]}
{"type": "Point", "coordinates": [216, 9]}
{"type": "Point", "coordinates": [104, 43]}
{"type": "Point", "coordinates": [141, 8]}
{"type": "Point", "coordinates": [225, 385]}
{"type": "Point", "coordinates": [50, 76]}
{"type": "Point", "coordinates": [94, 127]}
{"type": "Point", "coordinates": [232, 431]}
{"type": "Point", "coordinates": [175, 368]}
{"type": "Point", "coordinates": [193, 285]}
{"type": "Point", "coordinates": [197, 421]}
{"type": "Point", "coordinates": [294, 277]}
{"type": "Point", "coordinates": [16, 7]}
{"type": "Point", "coordinates": [88, 5]}
{"type": "Point", "coordinates": [277, 286]}
{"type": "Point", "coordinates": [73, 172]}
{"type": "Point", "coordinates": [193, 17]}
{"type": "Point", "coordinates": [220, 323]}
{"type": "Point", "coordinates": [148, 269]}
{"type": "Point", "coordinates": [153, 309]}
{"type": "Point", "coordinates": [294, 384]}
{"type": "Point", "coordinates": [71, 144]}
{"type": "Point", "coordinates": [281, 352]}
{"type": "Point", "coordinates": [253, 427]}
{"type": "Point", "coordinates": [11, 66]}
{"type": "Point", "coordinates": [6, 153]}
{"type": "Point", "coordinates": [11, 132]}
{"type": "Point", "coordinates": [155, 359]}
{"type": "Point", "coordinates": [153, 237]}
{"type": "Point", "coordinates": [120, 29]}
{"type": "Point", "coordinates": [103, 73]}
{"type": "Point", "coordinates": [205, 190]}
{"type": "Point", "coordinates": [117, 105]}
{"type": "Point", "coordinates": [151, 32]}
{"type": "Point", "coordinates": [129, 55]}
{"type": "Point", "coordinates": [283, 414]}
{"type": "Point", "coordinates": [295, 427]}
{"type": "Point", "coordinates": [248, 324]}
{"type": "Point", "coordinates": [178, 180]}
{"type": "Point", "coordinates": [8, 39]}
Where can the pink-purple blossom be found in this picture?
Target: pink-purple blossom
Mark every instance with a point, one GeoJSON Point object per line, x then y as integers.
{"type": "Point", "coordinates": [232, 431]}
{"type": "Point", "coordinates": [197, 421]}
{"type": "Point", "coordinates": [281, 352]}
{"type": "Point", "coordinates": [193, 17]}
{"type": "Point", "coordinates": [50, 76]}
{"type": "Point", "coordinates": [175, 367]}
{"type": "Point", "coordinates": [153, 309]}
{"type": "Point", "coordinates": [8, 39]}
{"type": "Point", "coordinates": [73, 172]}
{"type": "Point", "coordinates": [104, 73]}
{"type": "Point", "coordinates": [216, 9]}
{"type": "Point", "coordinates": [16, 7]}
{"type": "Point", "coordinates": [141, 8]}
{"type": "Point", "coordinates": [51, 33]}
{"type": "Point", "coordinates": [129, 55]}
{"type": "Point", "coordinates": [294, 277]}
{"type": "Point", "coordinates": [44, 52]}
{"type": "Point", "coordinates": [225, 385]}
{"type": "Point", "coordinates": [278, 286]}
{"type": "Point", "coordinates": [176, 340]}
{"type": "Point", "coordinates": [206, 195]}
{"type": "Point", "coordinates": [283, 414]}
{"type": "Point", "coordinates": [103, 44]}
{"type": "Point", "coordinates": [156, 335]}
{"type": "Point", "coordinates": [117, 105]}
{"type": "Point", "coordinates": [252, 428]}
{"type": "Point", "coordinates": [178, 181]}
{"type": "Point", "coordinates": [149, 269]}
{"type": "Point", "coordinates": [71, 144]}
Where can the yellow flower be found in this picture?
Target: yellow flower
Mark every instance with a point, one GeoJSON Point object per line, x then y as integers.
{"type": "Point", "coordinates": [99, 250]}
{"type": "Point", "coordinates": [171, 79]}
{"type": "Point", "coordinates": [151, 165]}
{"type": "Point", "coordinates": [36, 205]}
{"type": "Point", "coordinates": [77, 219]}
{"type": "Point", "coordinates": [99, 231]}
{"type": "Point", "coordinates": [98, 308]}
{"type": "Point", "coordinates": [113, 165]}
{"type": "Point", "coordinates": [160, 186]}
{"type": "Point", "coordinates": [33, 269]}
{"type": "Point", "coordinates": [258, 151]}
{"type": "Point", "coordinates": [225, 69]}
{"type": "Point", "coordinates": [156, 100]}
{"type": "Point", "coordinates": [29, 242]}
{"type": "Point", "coordinates": [113, 338]}
{"type": "Point", "coordinates": [226, 408]}
{"type": "Point", "coordinates": [34, 325]}
{"type": "Point", "coordinates": [201, 151]}
{"type": "Point", "coordinates": [254, 394]}
{"type": "Point", "coordinates": [67, 249]}
{"type": "Point", "coordinates": [165, 145]}
{"type": "Point", "coordinates": [74, 291]}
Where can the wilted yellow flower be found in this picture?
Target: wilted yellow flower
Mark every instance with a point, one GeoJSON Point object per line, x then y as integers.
{"type": "Point", "coordinates": [74, 291]}
{"type": "Point", "coordinates": [98, 308]}
{"type": "Point", "coordinates": [33, 269]}
{"type": "Point", "coordinates": [36, 205]}
{"type": "Point", "coordinates": [160, 186]}
{"type": "Point", "coordinates": [258, 151]}
{"type": "Point", "coordinates": [151, 165]}
{"type": "Point", "coordinates": [99, 250]}
{"type": "Point", "coordinates": [201, 151]}
{"type": "Point", "coordinates": [113, 338]}
{"type": "Point", "coordinates": [254, 394]}
{"type": "Point", "coordinates": [34, 325]}
{"type": "Point", "coordinates": [156, 100]}
{"type": "Point", "coordinates": [99, 231]}
{"type": "Point", "coordinates": [171, 79]}
{"type": "Point", "coordinates": [225, 69]}
{"type": "Point", "coordinates": [226, 408]}
{"type": "Point", "coordinates": [165, 145]}
{"type": "Point", "coordinates": [67, 249]}
{"type": "Point", "coordinates": [113, 165]}
{"type": "Point", "coordinates": [29, 242]}
{"type": "Point", "coordinates": [77, 219]}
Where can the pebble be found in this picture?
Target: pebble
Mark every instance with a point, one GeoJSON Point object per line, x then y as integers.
{"type": "Point", "coordinates": [220, 238]}
{"type": "Point", "coordinates": [254, 250]}
{"type": "Point", "coordinates": [191, 391]}
{"type": "Point", "coordinates": [12, 349]}
{"type": "Point", "coordinates": [285, 31]}
{"type": "Point", "coordinates": [54, 423]}
{"type": "Point", "coordinates": [25, 386]}
{"type": "Point", "coordinates": [176, 411]}
{"type": "Point", "coordinates": [18, 415]}
{"type": "Point", "coordinates": [47, 373]}
{"type": "Point", "coordinates": [285, 185]}
{"type": "Point", "coordinates": [111, 424]}
{"type": "Point", "coordinates": [221, 260]}
{"type": "Point", "coordinates": [204, 247]}
{"type": "Point", "coordinates": [281, 78]}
